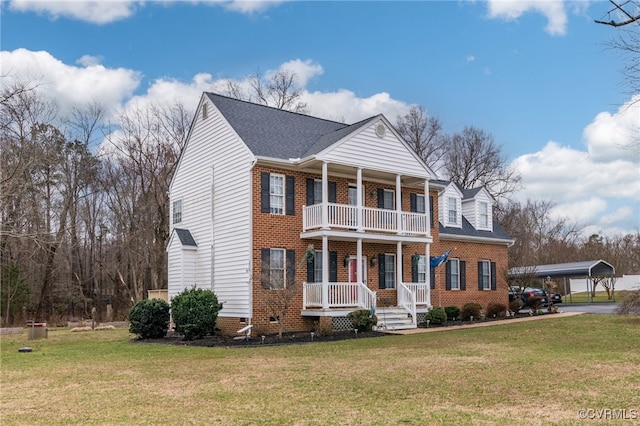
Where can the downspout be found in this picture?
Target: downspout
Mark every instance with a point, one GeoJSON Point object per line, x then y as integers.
{"type": "Point", "coordinates": [250, 263]}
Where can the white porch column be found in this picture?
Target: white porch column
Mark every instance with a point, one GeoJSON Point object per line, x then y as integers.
{"type": "Point", "coordinates": [427, 208]}
{"type": "Point", "coordinates": [359, 269]}
{"type": "Point", "coordinates": [399, 224]}
{"type": "Point", "coordinates": [398, 263]}
{"type": "Point", "coordinates": [427, 255]}
{"type": "Point", "coordinates": [325, 196]}
{"type": "Point", "coordinates": [325, 272]}
{"type": "Point", "coordinates": [359, 200]}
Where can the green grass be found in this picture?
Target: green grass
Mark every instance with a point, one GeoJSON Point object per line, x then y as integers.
{"type": "Point", "coordinates": [601, 296]}
{"type": "Point", "coordinates": [538, 372]}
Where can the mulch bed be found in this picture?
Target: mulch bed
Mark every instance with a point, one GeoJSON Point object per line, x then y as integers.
{"type": "Point", "coordinates": [256, 341]}
{"type": "Point", "coordinates": [173, 338]}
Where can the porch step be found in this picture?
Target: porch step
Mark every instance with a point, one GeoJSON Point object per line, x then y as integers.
{"type": "Point", "coordinates": [393, 318]}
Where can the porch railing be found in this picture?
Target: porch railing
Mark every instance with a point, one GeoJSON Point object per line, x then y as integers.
{"type": "Point", "coordinates": [338, 295]}
{"type": "Point", "coordinates": [407, 300]}
{"type": "Point", "coordinates": [345, 216]}
{"type": "Point", "coordinates": [422, 292]}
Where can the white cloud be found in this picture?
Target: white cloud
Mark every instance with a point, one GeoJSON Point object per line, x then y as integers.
{"type": "Point", "coordinates": [69, 85]}
{"type": "Point", "coordinates": [581, 211]}
{"type": "Point", "coordinates": [89, 60]}
{"type": "Point", "coordinates": [106, 11]}
{"type": "Point", "coordinates": [618, 215]}
{"type": "Point", "coordinates": [97, 12]}
{"type": "Point", "coordinates": [344, 105]}
{"type": "Point", "coordinates": [609, 136]}
{"type": "Point", "coordinates": [250, 6]}
{"type": "Point", "coordinates": [511, 10]}
{"type": "Point", "coordinates": [599, 186]}
{"type": "Point", "coordinates": [471, 58]}
{"type": "Point", "coordinates": [304, 70]}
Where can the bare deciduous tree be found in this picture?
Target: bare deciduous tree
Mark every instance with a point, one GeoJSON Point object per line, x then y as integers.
{"type": "Point", "coordinates": [473, 159]}
{"type": "Point", "coordinates": [623, 13]}
{"type": "Point", "coordinates": [279, 90]}
{"type": "Point", "coordinates": [424, 135]}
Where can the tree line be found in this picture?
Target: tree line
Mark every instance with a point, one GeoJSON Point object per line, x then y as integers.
{"type": "Point", "coordinates": [84, 210]}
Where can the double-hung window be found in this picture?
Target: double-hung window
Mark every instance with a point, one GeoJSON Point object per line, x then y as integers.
{"type": "Point", "coordinates": [388, 199]}
{"type": "Point", "coordinates": [484, 214]}
{"type": "Point", "coordinates": [177, 211]}
{"type": "Point", "coordinates": [317, 266]}
{"type": "Point", "coordinates": [455, 273]}
{"type": "Point", "coordinates": [317, 191]}
{"type": "Point", "coordinates": [452, 207]}
{"type": "Point", "coordinates": [388, 271]}
{"type": "Point", "coordinates": [422, 267]}
{"type": "Point", "coordinates": [277, 268]}
{"type": "Point", "coordinates": [484, 274]}
{"type": "Point", "coordinates": [276, 193]}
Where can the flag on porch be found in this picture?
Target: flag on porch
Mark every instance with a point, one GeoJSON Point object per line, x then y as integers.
{"type": "Point", "coordinates": [437, 261]}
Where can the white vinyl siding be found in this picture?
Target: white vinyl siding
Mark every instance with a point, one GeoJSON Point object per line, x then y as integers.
{"type": "Point", "coordinates": [213, 180]}
{"type": "Point", "coordinates": [478, 210]}
{"type": "Point", "coordinates": [450, 207]}
{"type": "Point", "coordinates": [366, 150]}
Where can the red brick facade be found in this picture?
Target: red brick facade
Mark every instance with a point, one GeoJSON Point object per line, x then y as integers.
{"type": "Point", "coordinates": [283, 231]}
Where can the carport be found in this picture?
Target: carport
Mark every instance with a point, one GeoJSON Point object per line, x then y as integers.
{"type": "Point", "coordinates": [587, 269]}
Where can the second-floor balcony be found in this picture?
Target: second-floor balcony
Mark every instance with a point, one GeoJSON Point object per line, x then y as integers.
{"type": "Point", "coordinates": [364, 219]}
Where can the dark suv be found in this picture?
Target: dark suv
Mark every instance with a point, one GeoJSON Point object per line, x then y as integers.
{"type": "Point", "coordinates": [530, 292]}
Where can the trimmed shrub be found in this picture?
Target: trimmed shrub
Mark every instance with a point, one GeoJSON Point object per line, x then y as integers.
{"type": "Point", "coordinates": [496, 310]}
{"type": "Point", "coordinates": [362, 320]}
{"type": "Point", "coordinates": [630, 305]}
{"type": "Point", "coordinates": [195, 312]}
{"type": "Point", "coordinates": [534, 302]}
{"type": "Point", "coordinates": [149, 319]}
{"type": "Point", "coordinates": [436, 315]}
{"type": "Point", "coordinates": [453, 312]}
{"type": "Point", "coordinates": [515, 305]}
{"type": "Point", "coordinates": [471, 309]}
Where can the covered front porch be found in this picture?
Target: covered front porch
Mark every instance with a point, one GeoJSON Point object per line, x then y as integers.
{"type": "Point", "coordinates": [334, 298]}
{"type": "Point", "coordinates": [337, 299]}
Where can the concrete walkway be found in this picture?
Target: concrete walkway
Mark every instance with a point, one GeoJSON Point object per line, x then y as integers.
{"type": "Point", "coordinates": [483, 324]}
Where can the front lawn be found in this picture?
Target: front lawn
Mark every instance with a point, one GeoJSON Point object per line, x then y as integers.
{"type": "Point", "coordinates": [538, 372]}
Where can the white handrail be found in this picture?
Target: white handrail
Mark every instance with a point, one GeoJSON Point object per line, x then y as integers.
{"type": "Point", "coordinates": [407, 300]}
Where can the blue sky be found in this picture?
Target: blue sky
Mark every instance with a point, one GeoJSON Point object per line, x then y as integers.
{"type": "Point", "coordinates": [536, 74]}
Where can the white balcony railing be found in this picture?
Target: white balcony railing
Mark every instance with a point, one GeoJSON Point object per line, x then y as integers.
{"type": "Point", "coordinates": [345, 216]}
{"type": "Point", "coordinates": [338, 295]}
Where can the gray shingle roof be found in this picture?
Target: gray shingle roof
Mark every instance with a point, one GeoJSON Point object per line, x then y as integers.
{"type": "Point", "coordinates": [468, 230]}
{"type": "Point", "coordinates": [275, 133]}
{"type": "Point", "coordinates": [185, 237]}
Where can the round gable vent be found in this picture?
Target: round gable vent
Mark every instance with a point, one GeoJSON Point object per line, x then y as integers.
{"type": "Point", "coordinates": [380, 130]}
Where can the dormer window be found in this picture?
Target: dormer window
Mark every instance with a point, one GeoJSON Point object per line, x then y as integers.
{"type": "Point", "coordinates": [452, 207]}
{"type": "Point", "coordinates": [484, 214]}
